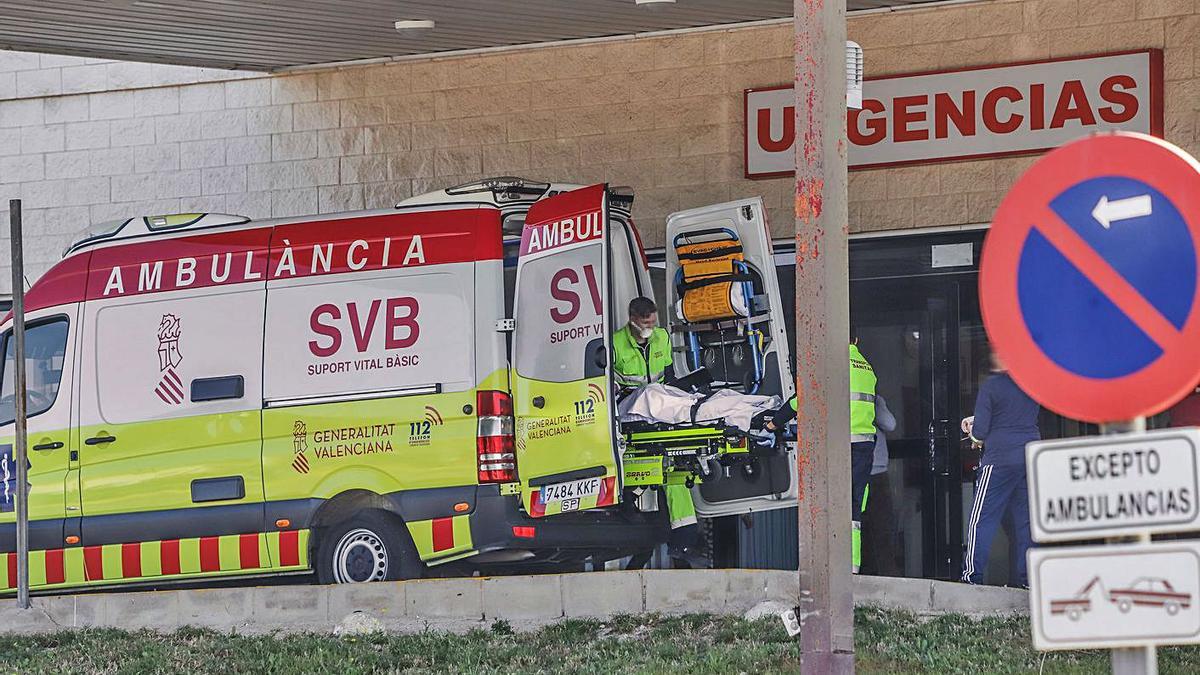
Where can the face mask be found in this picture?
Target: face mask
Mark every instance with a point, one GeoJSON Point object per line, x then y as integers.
{"type": "Point", "coordinates": [643, 333]}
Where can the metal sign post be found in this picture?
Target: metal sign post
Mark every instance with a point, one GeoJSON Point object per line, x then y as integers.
{"type": "Point", "coordinates": [20, 452]}
{"type": "Point", "coordinates": [1131, 660]}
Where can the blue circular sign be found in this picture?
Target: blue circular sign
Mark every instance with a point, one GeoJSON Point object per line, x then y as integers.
{"type": "Point", "coordinates": [1149, 245]}
{"type": "Point", "coordinates": [1088, 282]}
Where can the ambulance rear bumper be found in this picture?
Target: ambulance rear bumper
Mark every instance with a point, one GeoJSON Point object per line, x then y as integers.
{"type": "Point", "coordinates": [498, 523]}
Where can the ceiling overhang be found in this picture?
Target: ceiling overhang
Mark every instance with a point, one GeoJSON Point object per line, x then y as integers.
{"type": "Point", "coordinates": [271, 35]}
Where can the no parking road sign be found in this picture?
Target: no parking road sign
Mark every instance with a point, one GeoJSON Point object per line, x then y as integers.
{"type": "Point", "coordinates": [1088, 281]}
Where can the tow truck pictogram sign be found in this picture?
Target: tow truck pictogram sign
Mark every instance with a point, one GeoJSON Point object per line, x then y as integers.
{"type": "Point", "coordinates": [1143, 592]}
{"type": "Point", "coordinates": [1128, 595]}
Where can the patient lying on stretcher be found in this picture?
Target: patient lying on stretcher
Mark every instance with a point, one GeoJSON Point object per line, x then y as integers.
{"type": "Point", "coordinates": [665, 404]}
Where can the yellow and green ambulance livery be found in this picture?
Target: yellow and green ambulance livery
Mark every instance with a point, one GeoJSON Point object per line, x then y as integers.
{"type": "Point", "coordinates": [363, 395]}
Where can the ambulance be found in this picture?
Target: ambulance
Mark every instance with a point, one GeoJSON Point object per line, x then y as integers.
{"type": "Point", "coordinates": [368, 395]}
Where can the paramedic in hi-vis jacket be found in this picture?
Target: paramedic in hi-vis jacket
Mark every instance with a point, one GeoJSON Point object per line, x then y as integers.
{"type": "Point", "coordinates": [1005, 420]}
{"type": "Point", "coordinates": [862, 442]}
{"type": "Point", "coordinates": [641, 356]}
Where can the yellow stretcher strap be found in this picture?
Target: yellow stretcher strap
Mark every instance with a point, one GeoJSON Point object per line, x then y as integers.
{"type": "Point", "coordinates": [709, 275]}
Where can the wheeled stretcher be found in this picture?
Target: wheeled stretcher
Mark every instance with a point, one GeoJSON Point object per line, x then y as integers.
{"type": "Point", "coordinates": [688, 454]}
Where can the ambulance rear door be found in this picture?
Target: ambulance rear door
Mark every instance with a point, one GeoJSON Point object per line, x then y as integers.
{"type": "Point", "coordinates": [750, 353]}
{"type": "Point", "coordinates": [567, 455]}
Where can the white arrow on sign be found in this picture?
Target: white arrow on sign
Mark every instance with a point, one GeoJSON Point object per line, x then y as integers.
{"type": "Point", "coordinates": [1106, 212]}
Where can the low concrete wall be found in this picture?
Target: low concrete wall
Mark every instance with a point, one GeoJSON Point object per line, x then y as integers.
{"type": "Point", "coordinates": [448, 604]}
{"type": "Point", "coordinates": [462, 604]}
{"type": "Point", "coordinates": [925, 596]}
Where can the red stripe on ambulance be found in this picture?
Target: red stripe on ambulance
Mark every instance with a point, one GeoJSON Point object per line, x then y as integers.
{"type": "Point", "coordinates": [443, 534]}
{"type": "Point", "coordinates": [288, 251]}
{"type": "Point", "coordinates": [169, 556]}
{"type": "Point", "coordinates": [131, 560]}
{"type": "Point", "coordinates": [56, 572]}
{"type": "Point", "coordinates": [248, 551]}
{"type": "Point", "coordinates": [289, 548]}
{"type": "Point", "coordinates": [93, 563]}
{"type": "Point", "coordinates": [210, 554]}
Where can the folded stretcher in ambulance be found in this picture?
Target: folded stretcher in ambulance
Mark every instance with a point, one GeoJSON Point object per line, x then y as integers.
{"type": "Point", "coordinates": [716, 309]}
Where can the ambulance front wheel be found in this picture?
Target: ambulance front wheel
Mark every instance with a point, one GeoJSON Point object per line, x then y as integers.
{"type": "Point", "coordinates": [370, 546]}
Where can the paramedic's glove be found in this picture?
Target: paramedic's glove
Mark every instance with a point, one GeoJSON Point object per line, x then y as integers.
{"type": "Point", "coordinates": [968, 425]}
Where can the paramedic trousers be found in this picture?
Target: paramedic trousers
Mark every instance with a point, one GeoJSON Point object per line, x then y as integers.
{"type": "Point", "coordinates": [862, 456]}
{"type": "Point", "coordinates": [680, 507]}
{"type": "Point", "coordinates": [999, 489]}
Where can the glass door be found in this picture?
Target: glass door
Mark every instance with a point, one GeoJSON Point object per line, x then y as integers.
{"type": "Point", "coordinates": [907, 329]}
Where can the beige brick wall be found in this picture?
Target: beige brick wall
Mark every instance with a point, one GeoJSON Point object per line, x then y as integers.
{"type": "Point", "coordinates": [662, 114]}
{"type": "Point", "coordinates": [1005, 31]}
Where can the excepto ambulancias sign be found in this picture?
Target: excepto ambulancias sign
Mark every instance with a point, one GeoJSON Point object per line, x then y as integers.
{"type": "Point", "coordinates": [1098, 487]}
{"type": "Point", "coordinates": [978, 112]}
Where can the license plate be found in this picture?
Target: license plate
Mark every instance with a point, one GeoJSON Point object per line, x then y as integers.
{"type": "Point", "coordinates": [570, 492]}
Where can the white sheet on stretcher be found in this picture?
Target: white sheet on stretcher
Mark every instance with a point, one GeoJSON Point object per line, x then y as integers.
{"type": "Point", "coordinates": [664, 403]}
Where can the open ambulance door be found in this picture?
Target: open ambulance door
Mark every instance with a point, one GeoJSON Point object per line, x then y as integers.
{"type": "Point", "coordinates": [736, 330]}
{"type": "Point", "coordinates": [567, 455]}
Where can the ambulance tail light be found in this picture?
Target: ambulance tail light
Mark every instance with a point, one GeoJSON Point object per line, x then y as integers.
{"type": "Point", "coordinates": [494, 441]}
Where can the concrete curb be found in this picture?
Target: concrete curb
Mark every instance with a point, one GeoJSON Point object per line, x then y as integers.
{"type": "Point", "coordinates": [925, 596]}
{"type": "Point", "coordinates": [410, 606]}
{"type": "Point", "coordinates": [462, 604]}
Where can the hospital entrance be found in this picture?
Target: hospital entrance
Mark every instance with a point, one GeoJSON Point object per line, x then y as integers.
{"type": "Point", "coordinates": [914, 303]}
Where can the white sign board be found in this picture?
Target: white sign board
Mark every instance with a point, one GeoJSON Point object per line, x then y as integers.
{"type": "Point", "coordinates": [986, 111]}
{"type": "Point", "coordinates": [1115, 596]}
{"type": "Point", "coordinates": [1088, 488]}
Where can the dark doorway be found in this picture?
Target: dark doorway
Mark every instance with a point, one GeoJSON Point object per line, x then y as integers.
{"type": "Point", "coordinates": [913, 306]}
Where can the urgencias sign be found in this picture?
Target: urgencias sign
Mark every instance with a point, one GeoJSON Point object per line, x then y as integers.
{"type": "Point", "coordinates": [987, 111]}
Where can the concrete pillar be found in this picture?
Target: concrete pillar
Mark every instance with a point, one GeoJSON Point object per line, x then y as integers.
{"type": "Point", "coordinates": [822, 321]}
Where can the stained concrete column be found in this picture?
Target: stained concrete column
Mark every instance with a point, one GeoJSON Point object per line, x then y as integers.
{"type": "Point", "coordinates": [822, 322]}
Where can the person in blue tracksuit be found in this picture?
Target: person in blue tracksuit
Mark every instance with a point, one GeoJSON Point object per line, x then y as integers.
{"type": "Point", "coordinates": [1005, 420]}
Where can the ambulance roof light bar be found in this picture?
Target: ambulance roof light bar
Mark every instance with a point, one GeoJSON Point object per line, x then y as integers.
{"type": "Point", "coordinates": [501, 186]}
{"type": "Point", "coordinates": [125, 228]}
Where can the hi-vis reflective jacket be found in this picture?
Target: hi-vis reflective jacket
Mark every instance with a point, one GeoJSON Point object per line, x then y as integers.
{"type": "Point", "coordinates": [862, 397]}
{"type": "Point", "coordinates": [630, 363]}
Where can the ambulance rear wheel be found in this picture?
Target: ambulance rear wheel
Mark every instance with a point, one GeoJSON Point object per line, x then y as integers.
{"type": "Point", "coordinates": [370, 546]}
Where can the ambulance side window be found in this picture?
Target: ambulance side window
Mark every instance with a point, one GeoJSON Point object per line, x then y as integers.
{"type": "Point", "coordinates": [45, 353]}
